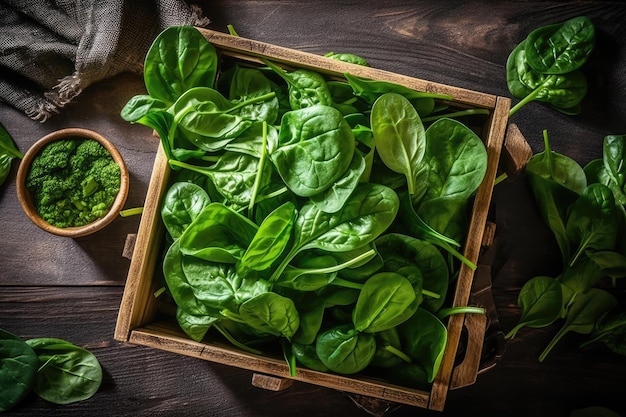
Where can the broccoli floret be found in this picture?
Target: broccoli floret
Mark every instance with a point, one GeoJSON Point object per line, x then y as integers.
{"type": "Point", "coordinates": [78, 193]}
{"type": "Point", "coordinates": [54, 157]}
{"type": "Point", "coordinates": [88, 152]}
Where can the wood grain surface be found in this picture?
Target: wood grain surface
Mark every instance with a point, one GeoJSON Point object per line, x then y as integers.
{"type": "Point", "coordinates": [71, 288]}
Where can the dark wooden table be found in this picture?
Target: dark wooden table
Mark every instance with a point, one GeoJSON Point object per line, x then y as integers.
{"type": "Point", "coordinates": [71, 289]}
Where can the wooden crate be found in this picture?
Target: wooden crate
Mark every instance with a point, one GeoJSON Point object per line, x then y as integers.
{"type": "Point", "coordinates": [143, 318]}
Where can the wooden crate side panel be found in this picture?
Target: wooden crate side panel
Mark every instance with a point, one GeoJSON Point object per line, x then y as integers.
{"type": "Point", "coordinates": [495, 138]}
{"type": "Point", "coordinates": [245, 48]}
{"type": "Point", "coordinates": [165, 337]}
{"type": "Point", "coordinates": [138, 306]}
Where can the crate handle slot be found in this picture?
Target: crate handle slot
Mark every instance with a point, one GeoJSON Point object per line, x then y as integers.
{"type": "Point", "coordinates": [465, 373]}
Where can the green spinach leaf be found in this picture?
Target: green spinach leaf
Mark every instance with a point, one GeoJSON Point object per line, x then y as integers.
{"type": "Point", "coordinates": [180, 58]}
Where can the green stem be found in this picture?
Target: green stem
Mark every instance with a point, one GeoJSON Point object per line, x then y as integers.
{"type": "Point", "coordinates": [253, 100]}
{"type": "Point", "coordinates": [430, 294]}
{"type": "Point", "coordinates": [398, 353]}
{"type": "Point", "coordinates": [272, 194]}
{"type": "Point", "coordinates": [259, 174]}
{"type": "Point", "coordinates": [525, 101]}
{"type": "Point", "coordinates": [340, 282]}
{"type": "Point", "coordinates": [458, 255]}
{"type": "Point", "coordinates": [445, 312]}
{"type": "Point", "coordinates": [500, 178]}
{"type": "Point", "coordinates": [231, 30]}
{"type": "Point", "coordinates": [468, 112]}
{"type": "Point", "coordinates": [236, 342]}
{"type": "Point", "coordinates": [131, 212]}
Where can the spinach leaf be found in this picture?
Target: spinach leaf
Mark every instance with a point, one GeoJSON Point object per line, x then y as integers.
{"type": "Point", "coordinates": [183, 290]}
{"type": "Point", "coordinates": [540, 299]}
{"type": "Point", "coordinates": [368, 212]}
{"type": "Point", "coordinates": [386, 300]}
{"type": "Point", "coordinates": [140, 105]}
{"type": "Point", "coordinates": [586, 309]}
{"type": "Point", "coordinates": [347, 57]}
{"type": "Point", "coordinates": [180, 58]}
{"type": "Point", "coordinates": [400, 251]}
{"type": "Point", "coordinates": [334, 197]}
{"type": "Point", "coordinates": [245, 84]}
{"type": "Point", "coordinates": [344, 350]}
{"type": "Point", "coordinates": [218, 234]}
{"type": "Point", "coordinates": [563, 91]}
{"type": "Point", "coordinates": [195, 327]}
{"type": "Point", "coordinates": [208, 119]}
{"type": "Point", "coordinates": [307, 356]}
{"type": "Point", "coordinates": [556, 182]}
{"type": "Point", "coordinates": [424, 339]}
{"type": "Point", "coordinates": [233, 175]}
{"type": "Point", "coordinates": [592, 222]}
{"type": "Point", "coordinates": [271, 239]}
{"type": "Point", "coordinates": [611, 169]}
{"type": "Point", "coordinates": [271, 313]}
{"type": "Point", "coordinates": [610, 330]}
{"type": "Point", "coordinates": [400, 137]}
{"type": "Point", "coordinates": [315, 148]}
{"type": "Point", "coordinates": [546, 65]}
{"type": "Point", "coordinates": [562, 47]}
{"type": "Point", "coordinates": [370, 90]}
{"type": "Point", "coordinates": [183, 202]}
{"type": "Point", "coordinates": [389, 350]}
{"type": "Point", "coordinates": [457, 160]}
{"type": "Point", "coordinates": [67, 373]}
{"type": "Point", "coordinates": [8, 152]}
{"type": "Point", "coordinates": [18, 369]}
{"type": "Point", "coordinates": [306, 88]}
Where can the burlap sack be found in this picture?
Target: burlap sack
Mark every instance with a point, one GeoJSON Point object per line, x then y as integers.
{"type": "Point", "coordinates": [50, 50]}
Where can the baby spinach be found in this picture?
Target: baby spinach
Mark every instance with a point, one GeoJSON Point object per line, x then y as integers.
{"type": "Point", "coordinates": [183, 202]}
{"type": "Point", "coordinates": [592, 222]}
{"type": "Point", "coordinates": [18, 370]}
{"type": "Point", "coordinates": [345, 350]}
{"type": "Point", "coordinates": [271, 313]}
{"type": "Point", "coordinates": [541, 300]}
{"type": "Point", "coordinates": [218, 234]}
{"type": "Point", "coordinates": [8, 152]}
{"type": "Point", "coordinates": [386, 300]}
{"type": "Point", "coordinates": [306, 88]}
{"type": "Point", "coordinates": [582, 315]}
{"type": "Point", "coordinates": [271, 238]}
{"type": "Point", "coordinates": [610, 330]}
{"type": "Point", "coordinates": [67, 373]}
{"type": "Point", "coordinates": [400, 138]}
{"type": "Point", "coordinates": [55, 369]}
{"type": "Point", "coordinates": [180, 58]}
{"type": "Point", "coordinates": [583, 210]}
{"type": "Point", "coordinates": [561, 48]}
{"type": "Point", "coordinates": [425, 338]}
{"type": "Point", "coordinates": [315, 148]}
{"type": "Point", "coordinates": [546, 65]}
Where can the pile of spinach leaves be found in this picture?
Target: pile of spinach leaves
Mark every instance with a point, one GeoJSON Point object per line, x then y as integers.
{"type": "Point", "coordinates": [320, 218]}
{"type": "Point", "coordinates": [56, 370]}
{"type": "Point", "coordinates": [584, 207]}
{"type": "Point", "coordinates": [546, 66]}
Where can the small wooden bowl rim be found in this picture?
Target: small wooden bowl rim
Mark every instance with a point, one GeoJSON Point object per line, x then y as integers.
{"type": "Point", "coordinates": [25, 198]}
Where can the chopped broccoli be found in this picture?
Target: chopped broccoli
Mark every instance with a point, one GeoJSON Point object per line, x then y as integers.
{"type": "Point", "coordinates": [73, 182]}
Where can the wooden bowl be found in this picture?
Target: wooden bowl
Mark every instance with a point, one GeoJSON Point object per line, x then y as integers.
{"type": "Point", "coordinates": [27, 203]}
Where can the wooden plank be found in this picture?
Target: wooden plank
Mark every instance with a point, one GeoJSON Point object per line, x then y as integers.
{"type": "Point", "coordinates": [138, 305]}
{"type": "Point", "coordinates": [246, 48]}
{"type": "Point", "coordinates": [496, 131]}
